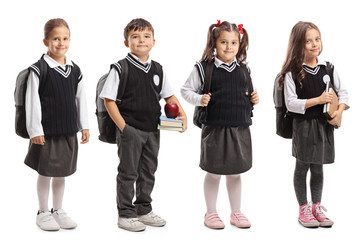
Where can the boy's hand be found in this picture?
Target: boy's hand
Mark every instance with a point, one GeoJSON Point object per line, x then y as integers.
{"type": "Point", "coordinates": [183, 118]}
{"type": "Point", "coordinates": [254, 97]}
{"type": "Point", "coordinates": [205, 99]}
{"type": "Point", "coordinates": [38, 140]}
{"type": "Point", "coordinates": [85, 136]}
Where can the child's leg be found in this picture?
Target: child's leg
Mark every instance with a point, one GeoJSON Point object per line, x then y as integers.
{"type": "Point", "coordinates": [58, 188]}
{"type": "Point", "coordinates": [233, 184]}
{"type": "Point", "coordinates": [211, 189]}
{"type": "Point", "coordinates": [316, 182]}
{"type": "Point", "coordinates": [146, 173]}
{"type": "Point", "coordinates": [300, 173]}
{"type": "Point", "coordinates": [43, 188]}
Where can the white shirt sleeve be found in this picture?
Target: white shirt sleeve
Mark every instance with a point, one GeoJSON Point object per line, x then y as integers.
{"type": "Point", "coordinates": [81, 105]}
{"type": "Point", "coordinates": [191, 88]}
{"type": "Point", "coordinates": [110, 89]}
{"type": "Point", "coordinates": [166, 90]}
{"type": "Point", "coordinates": [293, 104]}
{"type": "Point", "coordinates": [33, 107]}
{"type": "Point", "coordinates": [341, 90]}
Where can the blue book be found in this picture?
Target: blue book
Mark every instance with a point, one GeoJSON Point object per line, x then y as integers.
{"type": "Point", "coordinates": [170, 122]}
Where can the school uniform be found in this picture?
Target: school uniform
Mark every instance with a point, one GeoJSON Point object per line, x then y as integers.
{"type": "Point", "coordinates": [225, 138]}
{"type": "Point", "coordinates": [55, 109]}
{"type": "Point", "coordinates": [313, 136]}
{"type": "Point", "coordinates": [138, 144]}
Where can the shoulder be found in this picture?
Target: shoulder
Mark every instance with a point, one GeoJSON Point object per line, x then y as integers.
{"type": "Point", "coordinates": [77, 70]}
{"type": "Point", "coordinates": [39, 67]}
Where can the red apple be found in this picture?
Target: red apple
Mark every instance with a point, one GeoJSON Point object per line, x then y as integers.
{"type": "Point", "coordinates": [171, 110]}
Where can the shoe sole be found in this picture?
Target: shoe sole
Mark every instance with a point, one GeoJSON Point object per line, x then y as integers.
{"type": "Point", "coordinates": [132, 229]}
{"type": "Point", "coordinates": [153, 224]}
{"type": "Point", "coordinates": [216, 228]}
{"type": "Point", "coordinates": [326, 224]}
{"type": "Point", "coordinates": [309, 225]}
{"type": "Point", "coordinates": [50, 229]}
{"type": "Point", "coordinates": [241, 226]}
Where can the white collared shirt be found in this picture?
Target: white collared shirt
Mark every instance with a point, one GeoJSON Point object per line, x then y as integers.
{"type": "Point", "coordinates": [191, 90]}
{"type": "Point", "coordinates": [33, 104]}
{"type": "Point", "coordinates": [296, 105]}
{"type": "Point", "coordinates": [110, 89]}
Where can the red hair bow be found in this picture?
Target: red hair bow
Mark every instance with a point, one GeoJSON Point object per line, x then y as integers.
{"type": "Point", "coordinates": [218, 23]}
{"type": "Point", "coordinates": [240, 26]}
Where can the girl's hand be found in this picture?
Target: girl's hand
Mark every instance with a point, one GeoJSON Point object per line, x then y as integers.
{"type": "Point", "coordinates": [326, 97]}
{"type": "Point", "coordinates": [336, 118]}
{"type": "Point", "coordinates": [38, 140]}
{"type": "Point", "coordinates": [205, 99]}
{"type": "Point", "coordinates": [254, 97]}
{"type": "Point", "coordinates": [85, 136]}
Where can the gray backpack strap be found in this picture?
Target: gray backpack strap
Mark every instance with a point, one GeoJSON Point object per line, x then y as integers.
{"type": "Point", "coordinates": [122, 67]}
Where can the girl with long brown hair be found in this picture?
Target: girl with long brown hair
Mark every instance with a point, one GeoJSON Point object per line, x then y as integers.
{"type": "Point", "coordinates": [304, 77]}
{"type": "Point", "coordinates": [225, 139]}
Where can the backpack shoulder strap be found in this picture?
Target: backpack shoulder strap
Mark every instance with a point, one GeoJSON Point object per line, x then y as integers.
{"type": "Point", "coordinates": [330, 71]}
{"type": "Point", "coordinates": [248, 78]}
{"type": "Point", "coordinates": [122, 67]}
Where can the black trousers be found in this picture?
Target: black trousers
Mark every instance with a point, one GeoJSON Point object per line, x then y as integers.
{"type": "Point", "coordinates": [138, 151]}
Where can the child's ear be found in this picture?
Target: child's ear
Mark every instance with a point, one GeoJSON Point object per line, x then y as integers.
{"type": "Point", "coordinates": [45, 42]}
{"type": "Point", "coordinates": [126, 43]}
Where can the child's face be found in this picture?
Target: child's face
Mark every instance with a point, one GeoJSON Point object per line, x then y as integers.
{"type": "Point", "coordinates": [312, 44]}
{"type": "Point", "coordinates": [227, 46]}
{"type": "Point", "coordinates": [58, 42]}
{"type": "Point", "coordinates": [140, 43]}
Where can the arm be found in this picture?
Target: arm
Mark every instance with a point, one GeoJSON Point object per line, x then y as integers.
{"type": "Point", "coordinates": [191, 88]}
{"type": "Point", "coordinates": [182, 115]}
{"type": "Point", "coordinates": [81, 106]}
{"type": "Point", "coordinates": [114, 113]}
{"type": "Point", "coordinates": [33, 110]}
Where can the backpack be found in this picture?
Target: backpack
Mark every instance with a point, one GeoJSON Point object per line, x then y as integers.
{"type": "Point", "coordinates": [283, 119]}
{"type": "Point", "coordinates": [200, 112]}
{"type": "Point", "coordinates": [20, 94]}
{"type": "Point", "coordinates": [107, 127]}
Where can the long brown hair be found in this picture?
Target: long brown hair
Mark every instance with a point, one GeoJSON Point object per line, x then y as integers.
{"type": "Point", "coordinates": [54, 23]}
{"type": "Point", "coordinates": [295, 54]}
{"type": "Point", "coordinates": [214, 32]}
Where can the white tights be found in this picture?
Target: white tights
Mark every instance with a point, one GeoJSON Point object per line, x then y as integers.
{"type": "Point", "coordinates": [43, 189]}
{"type": "Point", "coordinates": [211, 189]}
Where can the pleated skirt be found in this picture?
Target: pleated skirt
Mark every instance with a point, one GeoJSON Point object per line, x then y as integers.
{"type": "Point", "coordinates": [57, 158]}
{"type": "Point", "coordinates": [225, 150]}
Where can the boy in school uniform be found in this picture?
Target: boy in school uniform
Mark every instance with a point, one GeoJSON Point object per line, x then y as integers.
{"type": "Point", "coordinates": [136, 118]}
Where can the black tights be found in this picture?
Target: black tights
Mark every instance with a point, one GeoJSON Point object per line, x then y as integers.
{"type": "Point", "coordinates": [316, 181]}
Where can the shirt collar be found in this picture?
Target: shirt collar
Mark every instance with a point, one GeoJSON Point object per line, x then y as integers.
{"type": "Point", "coordinates": [319, 62]}
{"type": "Point", "coordinates": [53, 64]}
{"type": "Point", "coordinates": [148, 61]}
{"type": "Point", "coordinates": [218, 62]}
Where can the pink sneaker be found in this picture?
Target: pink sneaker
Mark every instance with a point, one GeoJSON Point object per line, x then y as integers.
{"type": "Point", "coordinates": [212, 220]}
{"type": "Point", "coordinates": [320, 216]}
{"type": "Point", "coordinates": [240, 220]}
{"type": "Point", "coordinates": [306, 218]}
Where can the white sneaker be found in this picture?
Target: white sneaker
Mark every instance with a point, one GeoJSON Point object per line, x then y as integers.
{"type": "Point", "coordinates": [46, 222]}
{"type": "Point", "coordinates": [152, 219]}
{"type": "Point", "coordinates": [63, 219]}
{"type": "Point", "coordinates": [131, 224]}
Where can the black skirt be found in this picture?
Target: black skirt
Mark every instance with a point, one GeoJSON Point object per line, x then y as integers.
{"type": "Point", "coordinates": [313, 141]}
{"type": "Point", "coordinates": [225, 150]}
{"type": "Point", "coordinates": [57, 158]}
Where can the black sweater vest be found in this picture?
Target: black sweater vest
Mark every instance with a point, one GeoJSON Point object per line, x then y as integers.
{"type": "Point", "coordinates": [140, 105]}
{"type": "Point", "coordinates": [229, 106]}
{"type": "Point", "coordinates": [312, 86]}
{"type": "Point", "coordinates": [57, 97]}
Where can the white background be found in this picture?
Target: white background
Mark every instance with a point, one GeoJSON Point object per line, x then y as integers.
{"type": "Point", "coordinates": [268, 198]}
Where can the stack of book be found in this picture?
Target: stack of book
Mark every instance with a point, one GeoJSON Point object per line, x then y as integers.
{"type": "Point", "coordinates": [170, 124]}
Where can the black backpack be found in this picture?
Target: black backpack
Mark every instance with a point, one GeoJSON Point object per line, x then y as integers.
{"type": "Point", "coordinates": [19, 95]}
{"type": "Point", "coordinates": [200, 112]}
{"type": "Point", "coordinates": [283, 119]}
{"type": "Point", "coordinates": [107, 127]}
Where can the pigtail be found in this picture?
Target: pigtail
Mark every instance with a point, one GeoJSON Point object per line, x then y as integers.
{"type": "Point", "coordinates": [208, 53]}
{"type": "Point", "coordinates": [244, 45]}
